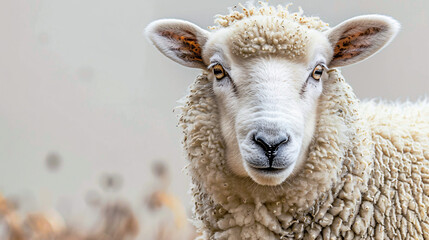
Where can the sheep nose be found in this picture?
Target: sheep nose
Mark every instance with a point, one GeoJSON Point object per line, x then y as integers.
{"type": "Point", "coordinates": [270, 147]}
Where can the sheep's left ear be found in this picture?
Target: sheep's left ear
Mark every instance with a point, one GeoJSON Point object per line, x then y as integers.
{"type": "Point", "coordinates": [179, 40]}
{"type": "Point", "coordinates": [358, 38]}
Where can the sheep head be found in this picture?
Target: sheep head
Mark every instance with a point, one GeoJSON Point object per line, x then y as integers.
{"type": "Point", "coordinates": [268, 69]}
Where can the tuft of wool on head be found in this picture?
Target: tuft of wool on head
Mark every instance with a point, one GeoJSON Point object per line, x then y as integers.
{"type": "Point", "coordinates": [281, 12]}
{"type": "Point", "coordinates": [282, 32]}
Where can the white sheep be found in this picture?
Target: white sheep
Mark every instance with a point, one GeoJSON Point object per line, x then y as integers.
{"type": "Point", "coordinates": [280, 147]}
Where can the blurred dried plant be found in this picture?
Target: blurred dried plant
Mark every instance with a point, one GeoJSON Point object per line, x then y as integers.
{"type": "Point", "coordinates": [53, 161]}
{"type": "Point", "coordinates": [116, 218]}
{"type": "Point", "coordinates": [111, 181]}
{"type": "Point", "coordinates": [168, 200]}
{"type": "Point", "coordinates": [8, 215]}
{"type": "Point", "coordinates": [117, 222]}
{"type": "Point", "coordinates": [161, 173]}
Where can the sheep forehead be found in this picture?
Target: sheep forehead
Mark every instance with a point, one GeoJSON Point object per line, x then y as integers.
{"type": "Point", "coordinates": [278, 72]}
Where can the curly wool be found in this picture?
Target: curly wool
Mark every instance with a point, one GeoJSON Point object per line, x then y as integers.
{"type": "Point", "coordinates": [282, 32]}
{"type": "Point", "coordinates": [281, 12]}
{"type": "Point", "coordinates": [366, 176]}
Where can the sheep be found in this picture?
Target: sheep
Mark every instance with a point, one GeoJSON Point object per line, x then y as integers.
{"type": "Point", "coordinates": [279, 146]}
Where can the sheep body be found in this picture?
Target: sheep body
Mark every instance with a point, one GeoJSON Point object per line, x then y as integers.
{"type": "Point", "coordinates": [367, 174]}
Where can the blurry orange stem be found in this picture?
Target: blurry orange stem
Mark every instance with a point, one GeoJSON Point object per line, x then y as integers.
{"type": "Point", "coordinates": [175, 206]}
{"type": "Point", "coordinates": [11, 219]}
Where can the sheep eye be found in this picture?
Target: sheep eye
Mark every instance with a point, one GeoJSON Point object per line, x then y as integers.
{"type": "Point", "coordinates": [317, 72]}
{"type": "Point", "coordinates": [218, 71]}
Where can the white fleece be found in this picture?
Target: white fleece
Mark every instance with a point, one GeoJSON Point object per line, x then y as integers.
{"type": "Point", "coordinates": [366, 176]}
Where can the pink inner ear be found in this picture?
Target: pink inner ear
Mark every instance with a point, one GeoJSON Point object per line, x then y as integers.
{"type": "Point", "coordinates": [353, 44]}
{"type": "Point", "coordinates": [189, 49]}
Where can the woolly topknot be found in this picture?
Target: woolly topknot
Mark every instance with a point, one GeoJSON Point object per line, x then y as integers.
{"type": "Point", "coordinates": [267, 30]}
{"type": "Point", "coordinates": [263, 9]}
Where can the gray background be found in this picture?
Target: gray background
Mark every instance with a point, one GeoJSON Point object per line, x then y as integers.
{"type": "Point", "coordinates": [78, 79]}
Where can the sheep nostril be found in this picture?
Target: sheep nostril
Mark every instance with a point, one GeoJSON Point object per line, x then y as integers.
{"type": "Point", "coordinates": [284, 141]}
{"type": "Point", "coordinates": [262, 142]}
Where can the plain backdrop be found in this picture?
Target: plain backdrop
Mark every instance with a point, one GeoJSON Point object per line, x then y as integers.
{"type": "Point", "coordinates": [80, 81]}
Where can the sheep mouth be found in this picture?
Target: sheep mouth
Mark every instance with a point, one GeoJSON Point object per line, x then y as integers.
{"type": "Point", "coordinates": [268, 170]}
{"type": "Point", "coordinates": [269, 176]}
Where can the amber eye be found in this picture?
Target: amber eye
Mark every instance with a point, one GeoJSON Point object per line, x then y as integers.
{"type": "Point", "coordinates": [317, 72]}
{"type": "Point", "coordinates": [218, 71]}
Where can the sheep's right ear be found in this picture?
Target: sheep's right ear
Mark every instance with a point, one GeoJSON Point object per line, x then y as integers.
{"type": "Point", "coordinates": [179, 40]}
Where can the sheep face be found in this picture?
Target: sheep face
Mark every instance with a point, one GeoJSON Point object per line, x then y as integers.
{"type": "Point", "coordinates": [268, 73]}
{"type": "Point", "coordinates": [267, 99]}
